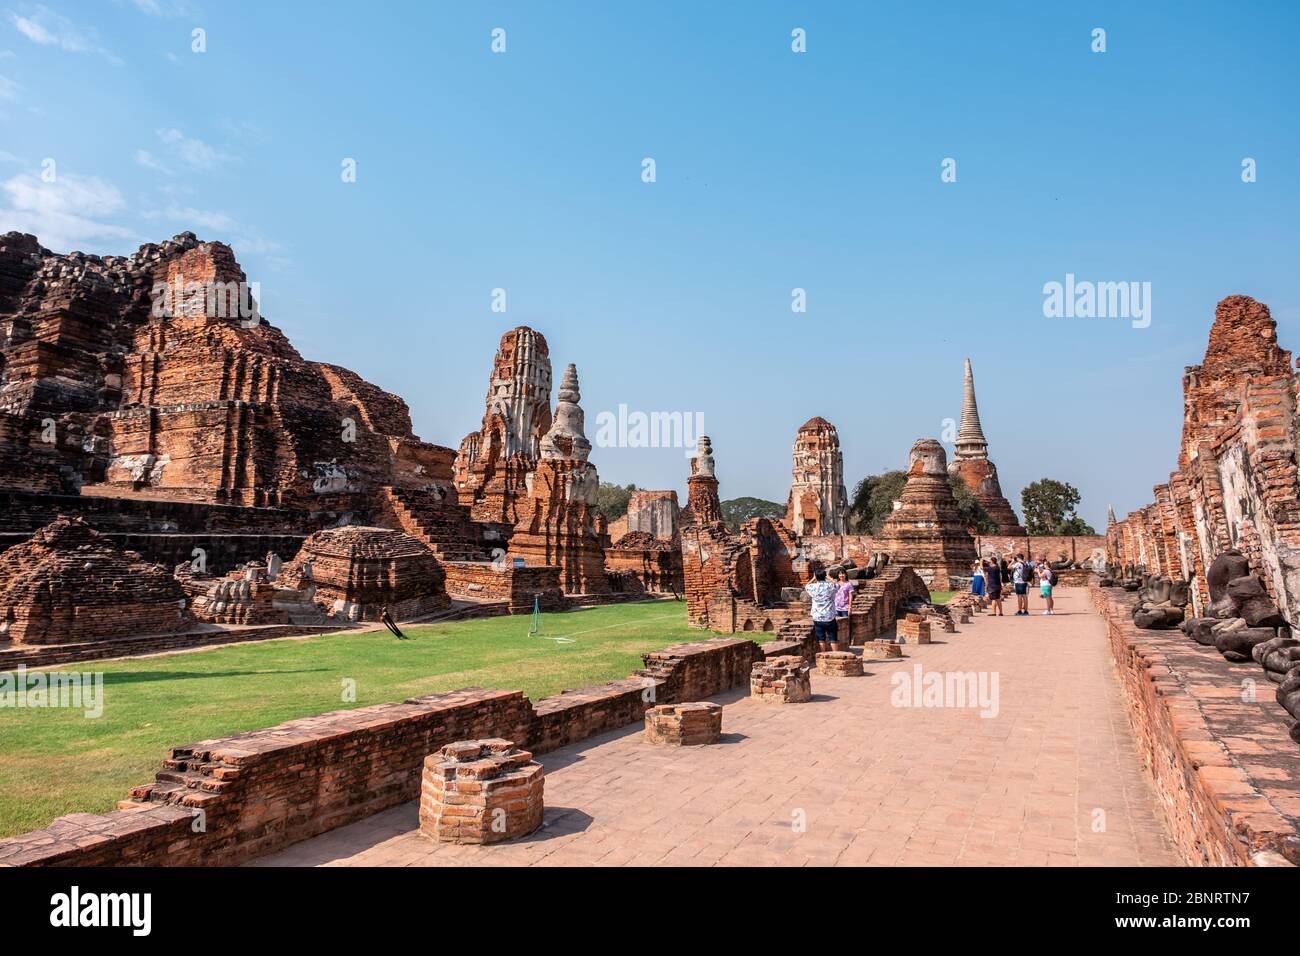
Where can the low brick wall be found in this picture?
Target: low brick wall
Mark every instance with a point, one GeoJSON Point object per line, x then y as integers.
{"type": "Point", "coordinates": [1223, 766]}
{"type": "Point", "coordinates": [53, 655]}
{"type": "Point", "coordinates": [517, 587]}
{"type": "Point", "coordinates": [223, 802]}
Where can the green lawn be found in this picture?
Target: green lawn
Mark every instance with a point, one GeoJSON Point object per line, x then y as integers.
{"type": "Point", "coordinates": [941, 597]}
{"type": "Point", "coordinates": [55, 761]}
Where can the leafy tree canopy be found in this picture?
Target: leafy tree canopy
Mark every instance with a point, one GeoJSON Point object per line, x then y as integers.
{"type": "Point", "coordinates": [612, 499]}
{"type": "Point", "coordinates": [1049, 507]}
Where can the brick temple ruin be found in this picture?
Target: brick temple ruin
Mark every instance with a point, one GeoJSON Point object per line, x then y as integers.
{"type": "Point", "coordinates": [1235, 484]}
{"type": "Point", "coordinates": [818, 503]}
{"type": "Point", "coordinates": [970, 462]}
{"type": "Point", "coordinates": [142, 397]}
{"type": "Point", "coordinates": [177, 478]}
{"type": "Point", "coordinates": [925, 531]}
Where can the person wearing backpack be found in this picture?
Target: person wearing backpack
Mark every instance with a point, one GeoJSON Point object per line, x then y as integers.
{"type": "Point", "coordinates": [1046, 581]}
{"type": "Point", "coordinates": [1022, 574]}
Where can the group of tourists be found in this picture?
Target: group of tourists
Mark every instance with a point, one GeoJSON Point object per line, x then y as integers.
{"type": "Point", "coordinates": [990, 576]}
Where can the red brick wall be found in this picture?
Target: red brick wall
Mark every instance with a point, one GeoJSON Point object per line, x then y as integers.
{"type": "Point", "coordinates": [1205, 747]}
{"type": "Point", "coordinates": [263, 790]}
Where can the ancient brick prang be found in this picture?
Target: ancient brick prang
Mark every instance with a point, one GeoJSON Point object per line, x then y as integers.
{"type": "Point", "coordinates": [970, 462]}
{"type": "Point", "coordinates": [926, 531]}
{"type": "Point", "coordinates": [702, 504]}
{"type": "Point", "coordinates": [494, 462]}
{"type": "Point", "coordinates": [818, 503]}
{"type": "Point", "coordinates": [558, 519]}
{"type": "Point", "coordinates": [70, 583]}
{"type": "Point", "coordinates": [1236, 485]}
{"type": "Point", "coordinates": [481, 791]}
{"type": "Point", "coordinates": [161, 377]}
{"type": "Point", "coordinates": [357, 571]}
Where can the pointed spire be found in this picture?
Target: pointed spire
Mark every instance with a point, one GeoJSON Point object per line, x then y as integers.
{"type": "Point", "coordinates": [567, 438]}
{"type": "Point", "coordinates": [970, 436]}
{"type": "Point", "coordinates": [1110, 516]}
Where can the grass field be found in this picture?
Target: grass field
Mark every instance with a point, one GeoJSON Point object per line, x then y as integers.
{"type": "Point", "coordinates": [941, 597]}
{"type": "Point", "coordinates": [56, 761]}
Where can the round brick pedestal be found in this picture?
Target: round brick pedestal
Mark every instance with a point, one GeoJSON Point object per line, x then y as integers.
{"type": "Point", "coordinates": [781, 680]}
{"type": "Point", "coordinates": [839, 664]}
{"type": "Point", "coordinates": [480, 791]}
{"type": "Point", "coordinates": [684, 725]}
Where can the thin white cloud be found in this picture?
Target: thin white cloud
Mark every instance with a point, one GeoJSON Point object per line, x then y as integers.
{"type": "Point", "coordinates": [166, 9]}
{"type": "Point", "coordinates": [8, 157]}
{"type": "Point", "coordinates": [74, 212]}
{"type": "Point", "coordinates": [147, 159]}
{"type": "Point", "coordinates": [8, 89]}
{"type": "Point", "coordinates": [47, 28]}
{"type": "Point", "coordinates": [195, 219]}
{"type": "Point", "coordinates": [193, 152]}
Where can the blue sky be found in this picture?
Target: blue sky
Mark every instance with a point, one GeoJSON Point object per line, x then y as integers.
{"type": "Point", "coordinates": [775, 170]}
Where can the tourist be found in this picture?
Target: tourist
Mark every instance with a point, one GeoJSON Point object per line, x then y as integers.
{"type": "Point", "coordinates": [843, 601]}
{"type": "Point", "coordinates": [1022, 573]}
{"type": "Point", "coordinates": [825, 628]}
{"type": "Point", "coordinates": [1004, 571]}
{"type": "Point", "coordinates": [977, 585]}
{"type": "Point", "coordinates": [1046, 578]}
{"type": "Point", "coordinates": [993, 585]}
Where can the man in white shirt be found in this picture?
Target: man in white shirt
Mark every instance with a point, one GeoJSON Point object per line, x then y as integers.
{"type": "Point", "coordinates": [825, 628]}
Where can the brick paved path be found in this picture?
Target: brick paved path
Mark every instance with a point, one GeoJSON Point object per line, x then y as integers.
{"type": "Point", "coordinates": [1052, 779]}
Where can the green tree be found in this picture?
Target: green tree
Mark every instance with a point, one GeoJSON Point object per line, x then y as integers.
{"type": "Point", "coordinates": [873, 500]}
{"type": "Point", "coordinates": [612, 499]}
{"type": "Point", "coordinates": [1049, 507]}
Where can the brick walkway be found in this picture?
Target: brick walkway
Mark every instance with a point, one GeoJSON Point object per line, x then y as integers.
{"type": "Point", "coordinates": [1052, 779]}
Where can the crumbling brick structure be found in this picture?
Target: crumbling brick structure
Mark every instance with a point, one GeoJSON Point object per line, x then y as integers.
{"type": "Point", "coordinates": [651, 512]}
{"type": "Point", "coordinates": [481, 792]}
{"type": "Point", "coordinates": [781, 680]}
{"type": "Point", "coordinates": [1236, 484]}
{"type": "Point", "coordinates": [155, 374]}
{"type": "Point", "coordinates": [970, 462]}
{"type": "Point", "coordinates": [493, 463]}
{"type": "Point", "coordinates": [691, 724]}
{"type": "Point", "coordinates": [926, 532]}
{"type": "Point", "coordinates": [558, 523]}
{"type": "Point", "coordinates": [358, 571]}
{"type": "Point", "coordinates": [657, 563]}
{"type": "Point", "coordinates": [839, 664]}
{"type": "Point", "coordinates": [818, 503]}
{"type": "Point", "coordinates": [70, 583]}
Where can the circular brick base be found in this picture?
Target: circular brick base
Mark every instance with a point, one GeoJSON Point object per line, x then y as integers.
{"type": "Point", "coordinates": [480, 791]}
{"type": "Point", "coordinates": [684, 725]}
